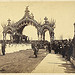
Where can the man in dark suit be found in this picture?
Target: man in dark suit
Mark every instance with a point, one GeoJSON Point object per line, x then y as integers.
{"type": "Point", "coordinates": [3, 48]}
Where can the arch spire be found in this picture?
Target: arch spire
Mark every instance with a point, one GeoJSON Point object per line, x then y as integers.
{"type": "Point", "coordinates": [9, 21]}
{"type": "Point", "coordinates": [26, 12]}
{"type": "Point", "coordinates": [46, 20]}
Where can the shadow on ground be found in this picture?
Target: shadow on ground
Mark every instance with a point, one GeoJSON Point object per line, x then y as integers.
{"type": "Point", "coordinates": [69, 68]}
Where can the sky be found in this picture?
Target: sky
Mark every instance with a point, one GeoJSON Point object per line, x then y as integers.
{"type": "Point", "coordinates": [61, 11]}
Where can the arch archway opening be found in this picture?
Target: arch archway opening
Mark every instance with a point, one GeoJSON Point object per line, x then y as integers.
{"type": "Point", "coordinates": [31, 32]}
{"type": "Point", "coordinates": [8, 37]}
{"type": "Point", "coordinates": [47, 36]}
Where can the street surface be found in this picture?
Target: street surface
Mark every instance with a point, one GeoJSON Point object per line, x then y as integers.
{"type": "Point", "coordinates": [54, 63]}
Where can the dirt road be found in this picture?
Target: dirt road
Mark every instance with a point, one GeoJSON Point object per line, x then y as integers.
{"type": "Point", "coordinates": [20, 62]}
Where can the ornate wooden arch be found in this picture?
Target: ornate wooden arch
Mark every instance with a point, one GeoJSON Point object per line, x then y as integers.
{"type": "Point", "coordinates": [48, 26]}
{"type": "Point", "coordinates": [8, 30]}
{"type": "Point", "coordinates": [25, 22]}
{"type": "Point", "coordinates": [27, 19]}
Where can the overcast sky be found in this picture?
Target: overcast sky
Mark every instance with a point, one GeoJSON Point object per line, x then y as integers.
{"type": "Point", "coordinates": [62, 12]}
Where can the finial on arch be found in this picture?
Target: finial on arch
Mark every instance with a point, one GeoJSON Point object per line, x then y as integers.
{"type": "Point", "coordinates": [26, 10]}
{"type": "Point", "coordinates": [9, 21]}
{"type": "Point", "coordinates": [27, 7]}
{"type": "Point", "coordinates": [45, 18]}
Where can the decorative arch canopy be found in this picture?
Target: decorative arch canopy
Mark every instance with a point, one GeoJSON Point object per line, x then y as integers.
{"type": "Point", "coordinates": [27, 19]}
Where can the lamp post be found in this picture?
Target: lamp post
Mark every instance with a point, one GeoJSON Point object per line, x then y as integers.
{"type": "Point", "coordinates": [74, 43]}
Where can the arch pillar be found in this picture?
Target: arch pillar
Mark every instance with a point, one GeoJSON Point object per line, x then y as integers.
{"type": "Point", "coordinates": [51, 37]}
{"type": "Point", "coordinates": [40, 37]}
{"type": "Point", "coordinates": [4, 36]}
{"type": "Point", "coordinates": [44, 36]}
{"type": "Point", "coordinates": [38, 34]}
{"type": "Point", "coordinates": [10, 37]}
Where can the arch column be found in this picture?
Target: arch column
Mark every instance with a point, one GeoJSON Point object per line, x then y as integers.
{"type": "Point", "coordinates": [4, 36]}
{"type": "Point", "coordinates": [40, 37]}
{"type": "Point", "coordinates": [44, 36]}
{"type": "Point", "coordinates": [51, 37]}
{"type": "Point", "coordinates": [38, 34]}
{"type": "Point", "coordinates": [19, 39]}
{"type": "Point", "coordinates": [10, 37]}
{"type": "Point", "coordinates": [74, 42]}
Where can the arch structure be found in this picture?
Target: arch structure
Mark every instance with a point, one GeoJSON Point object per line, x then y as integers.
{"type": "Point", "coordinates": [47, 26]}
{"type": "Point", "coordinates": [16, 29]}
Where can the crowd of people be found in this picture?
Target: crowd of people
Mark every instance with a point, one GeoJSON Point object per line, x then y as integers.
{"type": "Point", "coordinates": [63, 47]}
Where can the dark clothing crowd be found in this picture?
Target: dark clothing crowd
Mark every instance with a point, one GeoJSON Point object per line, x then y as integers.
{"type": "Point", "coordinates": [64, 47]}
